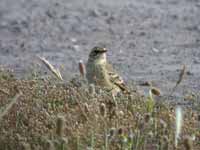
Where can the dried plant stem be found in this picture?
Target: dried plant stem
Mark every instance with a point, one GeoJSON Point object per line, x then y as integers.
{"type": "Point", "coordinates": [180, 79]}
{"type": "Point", "coordinates": [79, 105]}
{"type": "Point", "coordinates": [56, 72]}
{"type": "Point", "coordinates": [78, 143]}
{"type": "Point", "coordinates": [106, 144]}
{"type": "Point", "coordinates": [13, 101]}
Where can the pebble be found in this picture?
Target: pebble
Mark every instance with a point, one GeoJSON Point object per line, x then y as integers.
{"type": "Point", "coordinates": [74, 40]}
{"type": "Point", "coordinates": [155, 50]}
{"type": "Point", "coordinates": [76, 47]}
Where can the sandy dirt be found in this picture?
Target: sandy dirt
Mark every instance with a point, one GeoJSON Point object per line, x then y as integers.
{"type": "Point", "coordinates": [148, 40]}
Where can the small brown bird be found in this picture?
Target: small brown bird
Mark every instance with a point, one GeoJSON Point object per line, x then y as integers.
{"type": "Point", "coordinates": [101, 73]}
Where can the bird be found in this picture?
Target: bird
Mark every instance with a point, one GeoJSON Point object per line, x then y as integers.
{"type": "Point", "coordinates": [99, 72]}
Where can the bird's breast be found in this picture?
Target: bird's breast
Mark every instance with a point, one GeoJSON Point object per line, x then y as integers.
{"type": "Point", "coordinates": [96, 73]}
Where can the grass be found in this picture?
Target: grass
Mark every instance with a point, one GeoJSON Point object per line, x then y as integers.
{"type": "Point", "coordinates": [56, 115]}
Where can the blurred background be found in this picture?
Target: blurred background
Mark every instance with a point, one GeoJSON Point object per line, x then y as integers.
{"type": "Point", "coordinates": [147, 40]}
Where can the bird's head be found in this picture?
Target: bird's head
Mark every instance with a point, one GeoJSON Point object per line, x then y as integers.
{"type": "Point", "coordinates": [98, 54]}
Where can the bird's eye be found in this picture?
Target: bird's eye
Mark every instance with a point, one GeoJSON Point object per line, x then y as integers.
{"type": "Point", "coordinates": [97, 51]}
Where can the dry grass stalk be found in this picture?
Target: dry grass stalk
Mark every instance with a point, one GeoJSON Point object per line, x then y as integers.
{"type": "Point", "coordinates": [181, 75]}
{"type": "Point", "coordinates": [80, 107]}
{"type": "Point", "coordinates": [165, 143]}
{"type": "Point", "coordinates": [139, 127]}
{"type": "Point", "coordinates": [13, 101]}
{"type": "Point", "coordinates": [180, 79]}
{"type": "Point", "coordinates": [86, 108]}
{"type": "Point", "coordinates": [56, 72]}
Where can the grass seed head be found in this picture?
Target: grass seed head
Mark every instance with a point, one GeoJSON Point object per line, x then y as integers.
{"type": "Point", "coordinates": [165, 142]}
{"type": "Point", "coordinates": [163, 124]}
{"type": "Point", "coordinates": [120, 114]}
{"type": "Point", "coordinates": [120, 131]}
{"type": "Point", "coordinates": [55, 71]}
{"type": "Point", "coordinates": [60, 126]}
{"type": "Point", "coordinates": [112, 132]}
{"type": "Point", "coordinates": [198, 117]}
{"type": "Point", "coordinates": [26, 146]}
{"type": "Point", "coordinates": [92, 89]}
{"type": "Point", "coordinates": [81, 68]}
{"type": "Point", "coordinates": [49, 145]}
{"type": "Point", "coordinates": [86, 108]}
{"type": "Point", "coordinates": [188, 143]}
{"type": "Point", "coordinates": [147, 117]}
{"type": "Point", "coordinates": [182, 74]}
{"type": "Point", "coordinates": [156, 91]}
{"type": "Point", "coordinates": [150, 134]}
{"type": "Point", "coordinates": [103, 109]}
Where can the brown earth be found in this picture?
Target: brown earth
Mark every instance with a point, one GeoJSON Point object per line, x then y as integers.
{"type": "Point", "coordinates": [148, 40]}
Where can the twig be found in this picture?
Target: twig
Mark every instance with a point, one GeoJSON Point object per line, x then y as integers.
{"type": "Point", "coordinates": [180, 79]}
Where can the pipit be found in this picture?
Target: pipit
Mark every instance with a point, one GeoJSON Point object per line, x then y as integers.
{"type": "Point", "coordinates": [101, 73]}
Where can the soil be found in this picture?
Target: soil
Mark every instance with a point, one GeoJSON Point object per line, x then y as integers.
{"type": "Point", "coordinates": [148, 40]}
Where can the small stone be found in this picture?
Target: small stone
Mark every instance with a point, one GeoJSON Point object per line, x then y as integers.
{"type": "Point", "coordinates": [155, 50]}
{"type": "Point", "coordinates": [76, 47]}
{"type": "Point", "coordinates": [74, 40]}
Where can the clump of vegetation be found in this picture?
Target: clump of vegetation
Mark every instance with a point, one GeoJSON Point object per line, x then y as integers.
{"type": "Point", "coordinates": [42, 113]}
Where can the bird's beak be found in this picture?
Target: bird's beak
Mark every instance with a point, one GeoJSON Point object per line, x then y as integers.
{"type": "Point", "coordinates": [104, 50]}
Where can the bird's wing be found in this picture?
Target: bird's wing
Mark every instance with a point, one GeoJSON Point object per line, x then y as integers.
{"type": "Point", "coordinates": [115, 78]}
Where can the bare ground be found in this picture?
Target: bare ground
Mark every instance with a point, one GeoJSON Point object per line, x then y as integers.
{"type": "Point", "coordinates": [148, 40]}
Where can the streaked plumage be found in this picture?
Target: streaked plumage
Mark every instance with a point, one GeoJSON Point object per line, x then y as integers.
{"type": "Point", "coordinates": [101, 73]}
